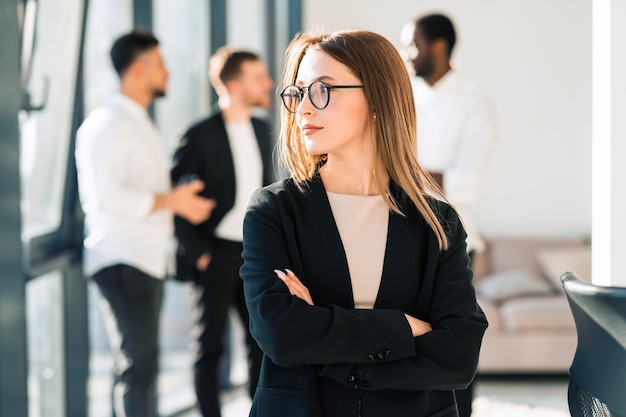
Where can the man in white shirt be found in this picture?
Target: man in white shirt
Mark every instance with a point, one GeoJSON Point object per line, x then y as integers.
{"type": "Point", "coordinates": [124, 189]}
{"type": "Point", "coordinates": [231, 151]}
{"type": "Point", "coordinates": [456, 127]}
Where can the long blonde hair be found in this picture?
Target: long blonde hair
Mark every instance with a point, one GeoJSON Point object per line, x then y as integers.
{"type": "Point", "coordinates": [387, 88]}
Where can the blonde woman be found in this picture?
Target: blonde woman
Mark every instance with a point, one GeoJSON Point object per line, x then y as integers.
{"type": "Point", "coordinates": [357, 281]}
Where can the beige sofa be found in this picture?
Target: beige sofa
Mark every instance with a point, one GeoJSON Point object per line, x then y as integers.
{"type": "Point", "coordinates": [531, 329]}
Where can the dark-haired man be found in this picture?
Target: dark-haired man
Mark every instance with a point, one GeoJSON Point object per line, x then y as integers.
{"type": "Point", "coordinates": [124, 188]}
{"type": "Point", "coordinates": [456, 128]}
{"type": "Point", "coordinates": [231, 152]}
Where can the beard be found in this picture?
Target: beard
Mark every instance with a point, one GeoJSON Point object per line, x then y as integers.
{"type": "Point", "coordinates": [158, 93]}
{"type": "Point", "coordinates": [264, 101]}
{"type": "Point", "coordinates": [424, 70]}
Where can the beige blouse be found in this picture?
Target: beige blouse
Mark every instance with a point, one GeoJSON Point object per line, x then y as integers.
{"type": "Point", "coordinates": [362, 222]}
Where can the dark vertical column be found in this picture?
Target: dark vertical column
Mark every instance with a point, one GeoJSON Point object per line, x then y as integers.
{"type": "Point", "coordinates": [295, 17]}
{"type": "Point", "coordinates": [270, 30]}
{"type": "Point", "coordinates": [76, 338]}
{"type": "Point", "coordinates": [75, 326]}
{"type": "Point", "coordinates": [142, 19]}
{"type": "Point", "coordinates": [217, 30]}
{"type": "Point", "coordinates": [13, 348]}
{"type": "Point", "coordinates": [142, 14]}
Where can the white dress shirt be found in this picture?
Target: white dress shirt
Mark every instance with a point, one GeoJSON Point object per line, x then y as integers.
{"type": "Point", "coordinates": [121, 167]}
{"type": "Point", "coordinates": [248, 178]}
{"type": "Point", "coordinates": [455, 135]}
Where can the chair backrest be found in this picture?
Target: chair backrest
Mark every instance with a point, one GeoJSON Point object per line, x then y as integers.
{"type": "Point", "coordinates": [598, 371]}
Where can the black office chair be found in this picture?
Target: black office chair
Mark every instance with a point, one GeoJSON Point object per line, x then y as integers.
{"type": "Point", "coordinates": [597, 384]}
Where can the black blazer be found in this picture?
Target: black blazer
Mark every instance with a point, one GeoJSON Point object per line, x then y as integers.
{"type": "Point", "coordinates": [332, 360]}
{"type": "Point", "coordinates": [204, 153]}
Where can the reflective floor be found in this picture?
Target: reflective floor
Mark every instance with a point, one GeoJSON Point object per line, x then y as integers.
{"type": "Point", "coordinates": [528, 396]}
{"type": "Point", "coordinates": [495, 396]}
{"type": "Point", "coordinates": [521, 396]}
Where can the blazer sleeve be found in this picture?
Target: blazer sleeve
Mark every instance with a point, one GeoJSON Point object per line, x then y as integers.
{"type": "Point", "coordinates": [447, 357]}
{"type": "Point", "coordinates": [187, 164]}
{"type": "Point", "coordinates": [290, 331]}
{"type": "Point", "coordinates": [266, 147]}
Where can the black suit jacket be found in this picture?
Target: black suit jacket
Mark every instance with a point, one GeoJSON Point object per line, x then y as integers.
{"type": "Point", "coordinates": [204, 153]}
{"type": "Point", "coordinates": [330, 359]}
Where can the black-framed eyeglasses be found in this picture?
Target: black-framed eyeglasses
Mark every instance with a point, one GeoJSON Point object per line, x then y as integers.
{"type": "Point", "coordinates": [319, 94]}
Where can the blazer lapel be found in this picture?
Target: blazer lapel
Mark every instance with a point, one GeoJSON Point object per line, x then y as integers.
{"type": "Point", "coordinates": [395, 263]}
{"type": "Point", "coordinates": [403, 268]}
{"type": "Point", "coordinates": [327, 274]}
{"type": "Point", "coordinates": [330, 279]}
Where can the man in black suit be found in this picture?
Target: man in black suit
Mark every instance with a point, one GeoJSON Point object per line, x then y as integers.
{"type": "Point", "coordinates": [231, 151]}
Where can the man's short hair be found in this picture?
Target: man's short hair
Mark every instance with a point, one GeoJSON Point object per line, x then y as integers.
{"type": "Point", "coordinates": [127, 48]}
{"type": "Point", "coordinates": [225, 65]}
{"type": "Point", "coordinates": [438, 26]}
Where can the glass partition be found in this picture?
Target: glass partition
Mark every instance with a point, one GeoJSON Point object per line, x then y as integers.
{"type": "Point", "coordinates": [45, 346]}
{"type": "Point", "coordinates": [51, 49]}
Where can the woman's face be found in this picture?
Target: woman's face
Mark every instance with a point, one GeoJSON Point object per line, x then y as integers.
{"type": "Point", "coordinates": [343, 126]}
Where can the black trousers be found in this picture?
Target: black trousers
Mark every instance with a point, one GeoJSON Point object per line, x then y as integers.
{"type": "Point", "coordinates": [215, 291]}
{"type": "Point", "coordinates": [131, 305]}
{"type": "Point", "coordinates": [464, 398]}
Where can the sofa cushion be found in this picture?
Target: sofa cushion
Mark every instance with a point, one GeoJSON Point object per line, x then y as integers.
{"type": "Point", "coordinates": [514, 283]}
{"type": "Point", "coordinates": [536, 313]}
{"type": "Point", "coordinates": [491, 312]}
{"type": "Point", "coordinates": [555, 262]}
{"type": "Point", "coordinates": [518, 253]}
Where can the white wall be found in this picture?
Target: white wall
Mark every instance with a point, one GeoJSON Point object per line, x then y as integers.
{"type": "Point", "coordinates": [182, 29]}
{"type": "Point", "coordinates": [534, 60]}
{"type": "Point", "coordinates": [609, 148]}
{"type": "Point", "coordinates": [618, 125]}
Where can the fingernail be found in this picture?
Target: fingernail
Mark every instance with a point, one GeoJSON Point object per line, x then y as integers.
{"type": "Point", "coordinates": [289, 272]}
{"type": "Point", "coordinates": [280, 274]}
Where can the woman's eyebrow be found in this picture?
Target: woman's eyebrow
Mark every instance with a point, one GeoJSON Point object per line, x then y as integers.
{"type": "Point", "coordinates": [320, 78]}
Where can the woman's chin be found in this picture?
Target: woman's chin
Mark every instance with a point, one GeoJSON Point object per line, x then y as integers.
{"type": "Point", "coordinates": [314, 149]}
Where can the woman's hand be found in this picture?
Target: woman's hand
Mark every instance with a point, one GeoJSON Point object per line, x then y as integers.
{"type": "Point", "coordinates": [294, 285]}
{"type": "Point", "coordinates": [418, 327]}
{"type": "Point", "coordinates": [202, 263]}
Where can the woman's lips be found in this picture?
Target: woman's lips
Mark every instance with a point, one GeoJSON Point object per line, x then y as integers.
{"type": "Point", "coordinates": [309, 129]}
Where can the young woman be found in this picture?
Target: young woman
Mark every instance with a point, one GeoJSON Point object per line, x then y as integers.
{"type": "Point", "coordinates": [357, 280]}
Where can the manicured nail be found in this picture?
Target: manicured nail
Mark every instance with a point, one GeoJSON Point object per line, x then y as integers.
{"type": "Point", "coordinates": [280, 274]}
{"type": "Point", "coordinates": [290, 272]}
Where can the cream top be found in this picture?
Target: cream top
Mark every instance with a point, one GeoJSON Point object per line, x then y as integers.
{"type": "Point", "coordinates": [248, 177]}
{"type": "Point", "coordinates": [362, 222]}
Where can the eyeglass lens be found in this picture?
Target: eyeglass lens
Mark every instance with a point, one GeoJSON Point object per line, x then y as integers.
{"type": "Point", "coordinates": [318, 94]}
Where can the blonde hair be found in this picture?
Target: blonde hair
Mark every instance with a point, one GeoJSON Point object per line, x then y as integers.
{"type": "Point", "coordinates": [387, 88]}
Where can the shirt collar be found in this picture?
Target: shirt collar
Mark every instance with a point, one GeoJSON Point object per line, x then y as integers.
{"type": "Point", "coordinates": [129, 105]}
{"type": "Point", "coordinates": [449, 79]}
